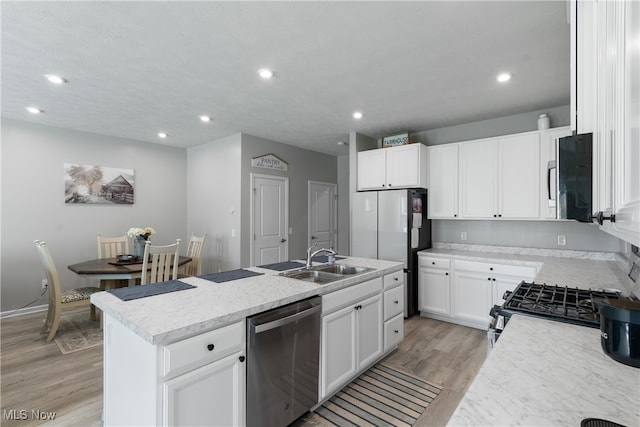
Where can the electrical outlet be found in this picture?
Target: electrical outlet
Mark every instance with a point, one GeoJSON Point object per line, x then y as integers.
{"type": "Point", "coordinates": [562, 240]}
{"type": "Point", "coordinates": [44, 283]}
{"type": "Point", "coordinates": [463, 235]}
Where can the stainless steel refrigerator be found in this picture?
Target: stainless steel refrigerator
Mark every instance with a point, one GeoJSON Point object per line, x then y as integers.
{"type": "Point", "coordinates": [392, 225]}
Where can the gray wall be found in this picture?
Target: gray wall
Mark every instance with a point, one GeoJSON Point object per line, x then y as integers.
{"type": "Point", "coordinates": [213, 192]}
{"type": "Point", "coordinates": [33, 207]}
{"type": "Point", "coordinates": [304, 165]}
{"type": "Point", "coordinates": [534, 234]}
{"type": "Point", "coordinates": [343, 204]}
{"type": "Point", "coordinates": [517, 123]}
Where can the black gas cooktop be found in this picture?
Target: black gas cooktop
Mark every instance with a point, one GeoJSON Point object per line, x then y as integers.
{"type": "Point", "coordinates": [570, 305]}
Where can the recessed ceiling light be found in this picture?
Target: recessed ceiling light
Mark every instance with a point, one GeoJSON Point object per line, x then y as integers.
{"type": "Point", "coordinates": [265, 73]}
{"type": "Point", "coordinates": [503, 77]}
{"type": "Point", "coordinates": [34, 110]}
{"type": "Point", "coordinates": [55, 79]}
{"type": "Point", "coordinates": [205, 119]}
{"type": "Point", "coordinates": [357, 115]}
{"type": "Point", "coordinates": [162, 135]}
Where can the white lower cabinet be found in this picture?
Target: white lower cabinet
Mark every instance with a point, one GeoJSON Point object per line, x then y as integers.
{"type": "Point", "coordinates": [393, 331]}
{"type": "Point", "coordinates": [351, 340]}
{"type": "Point", "coordinates": [434, 288]}
{"type": "Point", "coordinates": [208, 396]}
{"type": "Point", "coordinates": [195, 381]}
{"type": "Point", "coordinates": [471, 298]}
{"type": "Point", "coordinates": [393, 310]}
{"type": "Point", "coordinates": [463, 292]}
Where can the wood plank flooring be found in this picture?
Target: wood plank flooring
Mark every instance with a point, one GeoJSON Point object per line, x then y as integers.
{"type": "Point", "coordinates": [35, 375]}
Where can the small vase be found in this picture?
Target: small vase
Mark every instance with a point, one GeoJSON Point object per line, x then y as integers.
{"type": "Point", "coordinates": [138, 246]}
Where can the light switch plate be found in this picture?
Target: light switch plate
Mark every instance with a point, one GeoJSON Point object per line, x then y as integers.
{"type": "Point", "coordinates": [634, 273]}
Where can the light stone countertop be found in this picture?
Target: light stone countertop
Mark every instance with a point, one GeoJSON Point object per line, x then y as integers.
{"type": "Point", "coordinates": [170, 317]}
{"type": "Point", "coordinates": [546, 373]}
{"type": "Point", "coordinates": [574, 269]}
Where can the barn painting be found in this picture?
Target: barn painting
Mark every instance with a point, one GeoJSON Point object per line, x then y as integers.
{"type": "Point", "coordinates": [88, 184]}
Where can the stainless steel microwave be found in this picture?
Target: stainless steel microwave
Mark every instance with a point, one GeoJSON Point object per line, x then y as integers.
{"type": "Point", "coordinates": [574, 177]}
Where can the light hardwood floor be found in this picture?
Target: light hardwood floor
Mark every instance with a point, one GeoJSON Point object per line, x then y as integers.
{"type": "Point", "coordinates": [35, 375]}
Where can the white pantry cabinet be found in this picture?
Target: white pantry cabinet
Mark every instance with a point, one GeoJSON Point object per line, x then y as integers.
{"type": "Point", "coordinates": [404, 166]}
{"type": "Point", "coordinates": [443, 181]}
{"type": "Point", "coordinates": [352, 333]}
{"type": "Point", "coordinates": [500, 177]}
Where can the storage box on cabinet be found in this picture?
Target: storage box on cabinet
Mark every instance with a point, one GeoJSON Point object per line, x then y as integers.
{"type": "Point", "coordinates": [197, 351]}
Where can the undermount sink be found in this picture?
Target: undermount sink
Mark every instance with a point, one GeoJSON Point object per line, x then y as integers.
{"type": "Point", "coordinates": [323, 274]}
{"type": "Point", "coordinates": [344, 270]}
{"type": "Point", "coordinates": [314, 276]}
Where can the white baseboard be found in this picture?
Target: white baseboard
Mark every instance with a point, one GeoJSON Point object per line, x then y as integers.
{"type": "Point", "coordinates": [22, 311]}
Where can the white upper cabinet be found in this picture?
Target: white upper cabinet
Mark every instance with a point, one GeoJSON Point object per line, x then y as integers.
{"type": "Point", "coordinates": [607, 103]}
{"type": "Point", "coordinates": [390, 168]}
{"type": "Point", "coordinates": [500, 177]}
{"type": "Point", "coordinates": [443, 181]}
{"type": "Point", "coordinates": [479, 178]}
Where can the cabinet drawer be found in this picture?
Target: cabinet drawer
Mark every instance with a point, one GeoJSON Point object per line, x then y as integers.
{"type": "Point", "coordinates": [197, 351]}
{"type": "Point", "coordinates": [393, 279]}
{"type": "Point", "coordinates": [525, 272]}
{"type": "Point", "coordinates": [344, 297]}
{"type": "Point", "coordinates": [393, 302]}
{"type": "Point", "coordinates": [428, 262]}
{"type": "Point", "coordinates": [393, 331]}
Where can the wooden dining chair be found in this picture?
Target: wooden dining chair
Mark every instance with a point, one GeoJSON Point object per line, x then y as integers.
{"type": "Point", "coordinates": [110, 247]}
{"type": "Point", "coordinates": [58, 299]}
{"type": "Point", "coordinates": [160, 263]}
{"type": "Point", "coordinates": [194, 251]}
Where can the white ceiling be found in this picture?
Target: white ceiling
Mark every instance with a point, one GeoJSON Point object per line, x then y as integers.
{"type": "Point", "coordinates": [137, 68]}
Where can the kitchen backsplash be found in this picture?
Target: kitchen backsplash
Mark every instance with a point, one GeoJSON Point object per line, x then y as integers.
{"type": "Point", "coordinates": [514, 250]}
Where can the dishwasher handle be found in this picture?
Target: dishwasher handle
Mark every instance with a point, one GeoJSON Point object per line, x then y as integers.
{"type": "Point", "coordinates": [286, 320]}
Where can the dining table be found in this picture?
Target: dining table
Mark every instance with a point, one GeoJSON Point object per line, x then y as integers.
{"type": "Point", "coordinates": [113, 269]}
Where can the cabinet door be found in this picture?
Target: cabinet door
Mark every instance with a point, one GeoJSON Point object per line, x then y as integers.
{"type": "Point", "coordinates": [628, 143]}
{"type": "Point", "coordinates": [403, 166]}
{"type": "Point", "coordinates": [478, 178]}
{"type": "Point", "coordinates": [338, 358]}
{"type": "Point", "coordinates": [369, 326]}
{"type": "Point", "coordinates": [443, 181]}
{"type": "Point", "coordinates": [502, 284]}
{"type": "Point", "coordinates": [519, 176]}
{"type": "Point", "coordinates": [372, 170]}
{"type": "Point", "coordinates": [208, 396]}
{"type": "Point", "coordinates": [472, 297]}
{"type": "Point", "coordinates": [433, 289]}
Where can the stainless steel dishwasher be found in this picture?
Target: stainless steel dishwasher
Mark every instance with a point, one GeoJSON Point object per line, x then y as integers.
{"type": "Point", "coordinates": [283, 355]}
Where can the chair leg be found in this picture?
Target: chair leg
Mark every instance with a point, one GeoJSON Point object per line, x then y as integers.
{"type": "Point", "coordinates": [93, 312]}
{"type": "Point", "coordinates": [54, 326]}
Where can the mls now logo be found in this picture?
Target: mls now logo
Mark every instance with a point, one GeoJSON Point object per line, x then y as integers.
{"type": "Point", "coordinates": [23, 414]}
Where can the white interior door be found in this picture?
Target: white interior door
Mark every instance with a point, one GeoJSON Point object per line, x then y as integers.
{"type": "Point", "coordinates": [323, 213]}
{"type": "Point", "coordinates": [270, 219]}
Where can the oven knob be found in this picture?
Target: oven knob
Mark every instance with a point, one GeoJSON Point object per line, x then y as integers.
{"type": "Point", "coordinates": [506, 295]}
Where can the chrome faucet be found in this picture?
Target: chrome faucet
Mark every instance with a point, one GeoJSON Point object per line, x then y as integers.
{"type": "Point", "coordinates": [310, 255]}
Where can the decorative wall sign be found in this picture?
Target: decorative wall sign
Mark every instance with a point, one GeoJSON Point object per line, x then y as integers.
{"type": "Point", "coordinates": [87, 184]}
{"type": "Point", "coordinates": [269, 161]}
{"type": "Point", "coordinates": [395, 140]}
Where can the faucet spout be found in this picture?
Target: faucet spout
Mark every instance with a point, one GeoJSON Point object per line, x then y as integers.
{"type": "Point", "coordinates": [310, 255]}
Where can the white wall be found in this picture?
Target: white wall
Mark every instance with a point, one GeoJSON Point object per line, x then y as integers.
{"type": "Point", "coordinates": [304, 165]}
{"type": "Point", "coordinates": [213, 193]}
{"type": "Point", "coordinates": [33, 207]}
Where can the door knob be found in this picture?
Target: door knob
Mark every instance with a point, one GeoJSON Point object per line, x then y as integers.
{"type": "Point", "coordinates": [313, 237]}
{"type": "Point", "coordinates": [283, 240]}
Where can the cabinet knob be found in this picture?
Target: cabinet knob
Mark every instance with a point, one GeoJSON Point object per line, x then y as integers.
{"type": "Point", "coordinates": [433, 262]}
{"type": "Point", "coordinates": [494, 279]}
{"type": "Point", "coordinates": [500, 215]}
{"type": "Point", "coordinates": [241, 358]}
{"type": "Point", "coordinates": [395, 278]}
{"type": "Point", "coordinates": [455, 215]}
{"type": "Point", "coordinates": [488, 278]}
{"type": "Point", "coordinates": [396, 331]}
{"type": "Point", "coordinates": [491, 268]}
{"type": "Point", "coordinates": [210, 347]}
{"type": "Point", "coordinates": [495, 216]}
{"type": "Point", "coordinates": [446, 274]}
{"type": "Point", "coordinates": [396, 301]}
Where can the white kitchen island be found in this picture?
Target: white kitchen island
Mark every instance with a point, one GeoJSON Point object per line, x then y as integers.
{"type": "Point", "coordinates": [177, 358]}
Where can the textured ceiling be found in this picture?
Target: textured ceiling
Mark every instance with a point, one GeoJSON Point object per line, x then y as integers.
{"type": "Point", "coordinates": [137, 68]}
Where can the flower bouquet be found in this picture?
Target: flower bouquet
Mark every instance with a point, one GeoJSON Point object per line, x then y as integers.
{"type": "Point", "coordinates": [140, 236]}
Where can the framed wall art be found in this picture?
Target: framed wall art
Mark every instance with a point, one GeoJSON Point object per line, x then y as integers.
{"type": "Point", "coordinates": [88, 184]}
